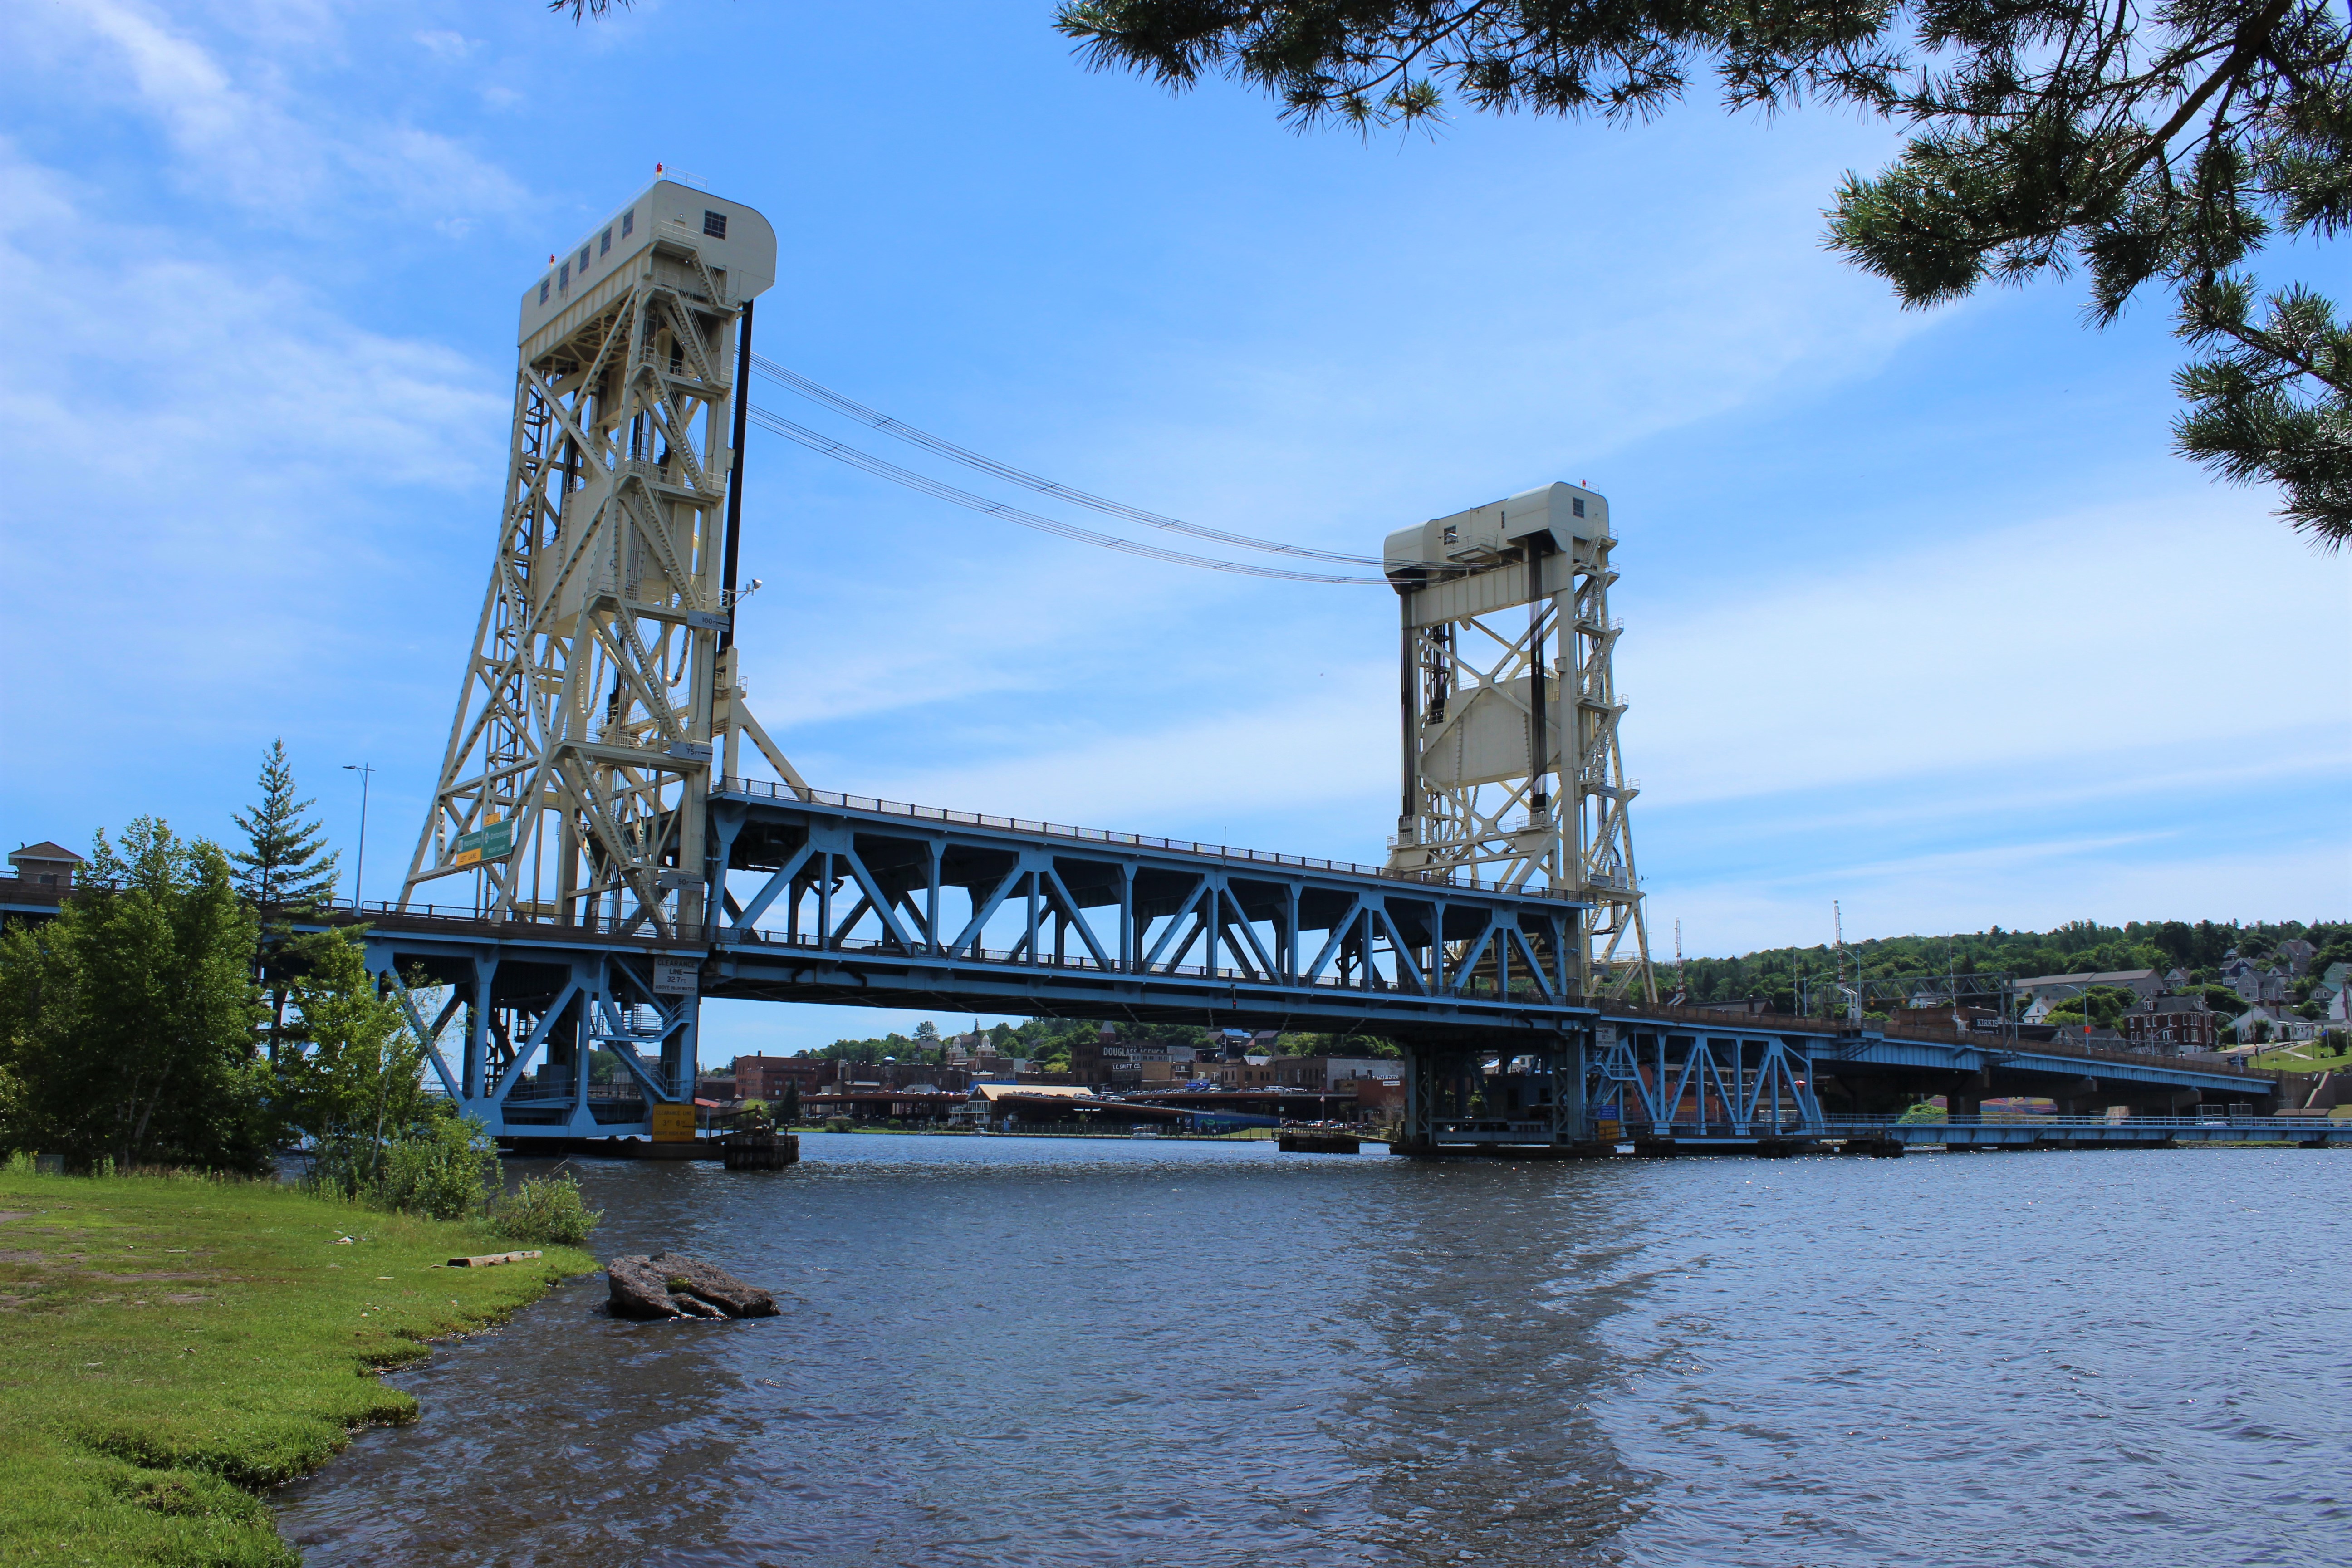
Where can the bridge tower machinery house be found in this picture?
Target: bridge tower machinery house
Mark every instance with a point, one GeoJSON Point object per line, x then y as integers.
{"type": "Point", "coordinates": [601, 686]}
{"type": "Point", "coordinates": [1508, 780]}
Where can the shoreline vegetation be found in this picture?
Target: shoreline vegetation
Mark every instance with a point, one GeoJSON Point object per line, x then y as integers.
{"type": "Point", "coordinates": [172, 1344]}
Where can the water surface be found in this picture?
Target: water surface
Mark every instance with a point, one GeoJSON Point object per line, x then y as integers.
{"type": "Point", "coordinates": [1101, 1352]}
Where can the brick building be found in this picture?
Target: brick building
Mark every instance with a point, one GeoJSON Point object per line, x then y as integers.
{"type": "Point", "coordinates": [763, 1077]}
{"type": "Point", "coordinates": [2170, 1025]}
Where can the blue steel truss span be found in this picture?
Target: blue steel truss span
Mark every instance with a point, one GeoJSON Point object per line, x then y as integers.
{"type": "Point", "coordinates": [850, 899]}
{"type": "Point", "coordinates": [823, 898]}
{"type": "Point", "coordinates": [1689, 1076]}
{"type": "Point", "coordinates": [814, 896]}
{"type": "Point", "coordinates": [1502, 1054]}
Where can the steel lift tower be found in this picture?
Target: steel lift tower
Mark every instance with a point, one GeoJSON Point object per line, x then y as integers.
{"type": "Point", "coordinates": [1503, 786]}
{"type": "Point", "coordinates": [574, 789]}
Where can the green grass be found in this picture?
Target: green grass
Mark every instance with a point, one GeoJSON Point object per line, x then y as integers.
{"type": "Point", "coordinates": [2304, 1055]}
{"type": "Point", "coordinates": [170, 1344]}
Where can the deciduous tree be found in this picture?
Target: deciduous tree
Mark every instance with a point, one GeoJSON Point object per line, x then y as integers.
{"type": "Point", "coordinates": [126, 1023]}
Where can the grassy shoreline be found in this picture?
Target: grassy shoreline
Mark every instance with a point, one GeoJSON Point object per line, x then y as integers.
{"type": "Point", "coordinates": [169, 1345]}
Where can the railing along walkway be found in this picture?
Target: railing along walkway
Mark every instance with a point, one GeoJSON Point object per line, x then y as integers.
{"type": "Point", "coordinates": [761, 789]}
{"type": "Point", "coordinates": [1707, 1020]}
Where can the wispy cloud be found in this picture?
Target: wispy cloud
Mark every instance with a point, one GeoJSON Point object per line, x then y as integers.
{"type": "Point", "coordinates": [217, 447]}
{"type": "Point", "coordinates": [2047, 645]}
{"type": "Point", "coordinates": [258, 130]}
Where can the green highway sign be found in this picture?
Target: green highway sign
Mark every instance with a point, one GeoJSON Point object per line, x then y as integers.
{"type": "Point", "coordinates": [494, 842]}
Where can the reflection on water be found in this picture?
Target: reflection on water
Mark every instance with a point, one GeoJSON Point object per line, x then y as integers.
{"type": "Point", "coordinates": [1001, 1350]}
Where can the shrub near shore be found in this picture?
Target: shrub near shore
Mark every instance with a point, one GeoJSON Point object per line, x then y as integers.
{"type": "Point", "coordinates": [168, 1344]}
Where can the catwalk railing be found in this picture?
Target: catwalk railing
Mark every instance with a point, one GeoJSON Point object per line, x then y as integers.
{"type": "Point", "coordinates": [761, 789]}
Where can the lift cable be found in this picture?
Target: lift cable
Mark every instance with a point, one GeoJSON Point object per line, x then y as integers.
{"type": "Point", "coordinates": [815, 392]}
{"type": "Point", "coordinates": [776, 424]}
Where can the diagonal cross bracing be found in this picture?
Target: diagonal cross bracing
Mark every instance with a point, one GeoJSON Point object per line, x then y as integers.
{"type": "Point", "coordinates": [574, 785]}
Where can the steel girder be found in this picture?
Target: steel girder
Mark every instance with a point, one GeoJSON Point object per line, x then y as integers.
{"type": "Point", "coordinates": [1735, 1083]}
{"type": "Point", "coordinates": [511, 1030]}
{"type": "Point", "coordinates": [1891, 1051]}
{"type": "Point", "coordinates": [827, 896]}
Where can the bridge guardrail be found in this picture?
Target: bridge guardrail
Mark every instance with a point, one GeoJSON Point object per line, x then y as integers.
{"type": "Point", "coordinates": [1774, 1023]}
{"type": "Point", "coordinates": [762, 788]}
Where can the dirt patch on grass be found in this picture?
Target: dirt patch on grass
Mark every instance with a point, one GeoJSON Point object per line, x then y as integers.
{"type": "Point", "coordinates": [22, 1257]}
{"type": "Point", "coordinates": [7, 1214]}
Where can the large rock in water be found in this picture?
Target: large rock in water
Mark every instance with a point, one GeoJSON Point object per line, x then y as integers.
{"type": "Point", "coordinates": [672, 1284]}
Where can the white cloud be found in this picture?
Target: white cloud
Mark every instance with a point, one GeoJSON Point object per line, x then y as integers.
{"type": "Point", "coordinates": [446, 44]}
{"type": "Point", "coordinates": [1296, 751]}
{"type": "Point", "coordinates": [2048, 646]}
{"type": "Point", "coordinates": [216, 450]}
{"type": "Point", "coordinates": [254, 131]}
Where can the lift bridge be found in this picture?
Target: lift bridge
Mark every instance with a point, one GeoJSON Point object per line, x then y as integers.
{"type": "Point", "coordinates": [606, 846]}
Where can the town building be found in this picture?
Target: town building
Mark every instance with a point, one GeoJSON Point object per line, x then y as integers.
{"type": "Point", "coordinates": [2168, 1024]}
{"type": "Point", "coordinates": [764, 1077]}
{"type": "Point", "coordinates": [46, 866]}
{"type": "Point", "coordinates": [2253, 981]}
{"type": "Point", "coordinates": [2275, 1022]}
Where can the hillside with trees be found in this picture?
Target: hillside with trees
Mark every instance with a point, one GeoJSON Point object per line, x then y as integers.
{"type": "Point", "coordinates": [1780, 976]}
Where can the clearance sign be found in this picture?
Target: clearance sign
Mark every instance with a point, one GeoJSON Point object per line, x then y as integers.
{"type": "Point", "coordinates": [494, 842]}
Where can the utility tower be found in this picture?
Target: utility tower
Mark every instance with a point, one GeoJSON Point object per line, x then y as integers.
{"type": "Point", "coordinates": [601, 686]}
{"type": "Point", "coordinates": [1504, 785]}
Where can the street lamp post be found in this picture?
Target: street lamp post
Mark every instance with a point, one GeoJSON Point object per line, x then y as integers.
{"type": "Point", "coordinates": [358, 875]}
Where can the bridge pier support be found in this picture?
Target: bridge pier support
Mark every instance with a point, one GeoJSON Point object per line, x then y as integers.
{"type": "Point", "coordinates": [1537, 1099]}
{"type": "Point", "coordinates": [525, 1025]}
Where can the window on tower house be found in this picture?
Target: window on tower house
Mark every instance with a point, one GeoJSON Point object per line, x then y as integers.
{"type": "Point", "coordinates": [628, 223]}
{"type": "Point", "coordinates": [715, 225]}
{"type": "Point", "coordinates": [605, 244]}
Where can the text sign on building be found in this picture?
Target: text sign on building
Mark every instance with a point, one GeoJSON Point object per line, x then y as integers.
{"type": "Point", "coordinates": [673, 1123]}
{"type": "Point", "coordinates": [492, 842]}
{"type": "Point", "coordinates": [677, 976]}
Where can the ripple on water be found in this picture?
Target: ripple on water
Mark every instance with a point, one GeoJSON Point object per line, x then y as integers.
{"type": "Point", "coordinates": [1099, 1351]}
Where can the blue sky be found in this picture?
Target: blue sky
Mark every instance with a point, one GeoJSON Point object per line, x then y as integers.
{"type": "Point", "coordinates": [1922, 614]}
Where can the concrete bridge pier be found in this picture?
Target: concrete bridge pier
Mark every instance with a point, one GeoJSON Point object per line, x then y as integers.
{"type": "Point", "coordinates": [1966, 1097]}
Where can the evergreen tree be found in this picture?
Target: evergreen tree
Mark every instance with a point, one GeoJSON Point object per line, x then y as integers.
{"type": "Point", "coordinates": [286, 866]}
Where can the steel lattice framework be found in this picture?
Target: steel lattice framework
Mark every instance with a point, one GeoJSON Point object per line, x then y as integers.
{"type": "Point", "coordinates": [603, 676]}
{"type": "Point", "coordinates": [1503, 606]}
